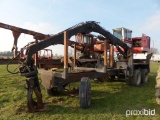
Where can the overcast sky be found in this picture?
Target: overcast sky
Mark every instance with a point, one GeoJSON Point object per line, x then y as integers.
{"type": "Point", "coordinates": [52, 16]}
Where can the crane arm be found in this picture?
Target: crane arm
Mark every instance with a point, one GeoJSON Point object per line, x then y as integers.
{"type": "Point", "coordinates": [17, 32]}
{"type": "Point", "coordinates": [85, 27]}
{"type": "Point", "coordinates": [37, 35]}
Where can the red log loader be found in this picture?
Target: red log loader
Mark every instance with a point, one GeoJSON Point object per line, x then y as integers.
{"type": "Point", "coordinates": [133, 71]}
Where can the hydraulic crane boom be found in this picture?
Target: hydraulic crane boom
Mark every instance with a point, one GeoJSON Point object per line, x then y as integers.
{"type": "Point", "coordinates": [86, 28]}
{"type": "Point", "coordinates": [36, 35]}
{"type": "Point", "coordinates": [17, 31]}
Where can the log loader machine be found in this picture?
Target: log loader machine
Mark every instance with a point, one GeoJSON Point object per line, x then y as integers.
{"type": "Point", "coordinates": [133, 71]}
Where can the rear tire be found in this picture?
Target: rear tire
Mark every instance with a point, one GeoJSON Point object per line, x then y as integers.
{"type": "Point", "coordinates": [85, 92]}
{"type": "Point", "coordinates": [137, 78]}
{"type": "Point", "coordinates": [144, 76]}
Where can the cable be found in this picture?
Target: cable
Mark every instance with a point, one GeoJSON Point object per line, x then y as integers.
{"type": "Point", "coordinates": [20, 62]}
{"type": "Point", "coordinates": [7, 67]}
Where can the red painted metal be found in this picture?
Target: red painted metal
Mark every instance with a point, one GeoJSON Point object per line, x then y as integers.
{"type": "Point", "coordinates": [141, 44]}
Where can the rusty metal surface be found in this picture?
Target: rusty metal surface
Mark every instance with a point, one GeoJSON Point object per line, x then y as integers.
{"type": "Point", "coordinates": [36, 35]}
{"type": "Point", "coordinates": [46, 78]}
{"type": "Point", "coordinates": [65, 54]}
{"type": "Point", "coordinates": [16, 31]}
{"type": "Point", "coordinates": [87, 60]}
{"type": "Point", "coordinates": [42, 63]}
{"type": "Point", "coordinates": [74, 62]}
{"type": "Point", "coordinates": [33, 86]}
{"type": "Point", "coordinates": [65, 50]}
{"type": "Point", "coordinates": [105, 55]}
{"type": "Point", "coordinates": [5, 61]}
{"type": "Point", "coordinates": [111, 55]}
{"type": "Point", "coordinates": [52, 79]}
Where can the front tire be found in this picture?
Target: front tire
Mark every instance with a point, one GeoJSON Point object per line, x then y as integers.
{"type": "Point", "coordinates": [85, 92]}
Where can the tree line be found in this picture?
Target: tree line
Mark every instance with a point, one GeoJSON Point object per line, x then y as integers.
{"type": "Point", "coordinates": [6, 53]}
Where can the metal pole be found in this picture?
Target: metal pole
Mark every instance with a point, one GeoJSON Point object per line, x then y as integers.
{"type": "Point", "coordinates": [111, 55]}
{"type": "Point", "coordinates": [65, 54]}
{"type": "Point", "coordinates": [74, 55]}
{"type": "Point", "coordinates": [105, 55]}
{"type": "Point", "coordinates": [36, 56]}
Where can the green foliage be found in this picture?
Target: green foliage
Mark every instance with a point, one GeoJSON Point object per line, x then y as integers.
{"type": "Point", "coordinates": [110, 100]}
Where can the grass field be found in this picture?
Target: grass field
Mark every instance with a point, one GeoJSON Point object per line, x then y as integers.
{"type": "Point", "coordinates": [110, 100]}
